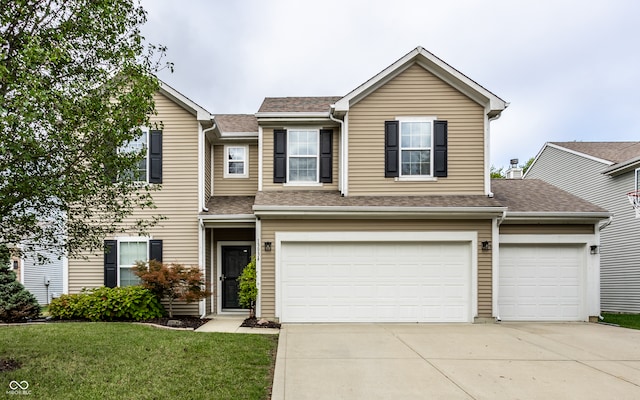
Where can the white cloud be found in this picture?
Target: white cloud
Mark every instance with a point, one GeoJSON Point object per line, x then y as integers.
{"type": "Point", "coordinates": [569, 68]}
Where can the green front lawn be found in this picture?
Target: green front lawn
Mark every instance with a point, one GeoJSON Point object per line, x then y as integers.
{"type": "Point", "coordinates": [127, 361]}
{"type": "Point", "coordinates": [625, 320]}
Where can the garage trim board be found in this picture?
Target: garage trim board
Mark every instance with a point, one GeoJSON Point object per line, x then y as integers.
{"type": "Point", "coordinates": [462, 286]}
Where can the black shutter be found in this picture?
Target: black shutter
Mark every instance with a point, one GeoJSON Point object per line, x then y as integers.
{"type": "Point", "coordinates": [440, 149]}
{"type": "Point", "coordinates": [155, 156]}
{"type": "Point", "coordinates": [279, 156]}
{"type": "Point", "coordinates": [391, 149]}
{"type": "Point", "coordinates": [155, 250]}
{"type": "Point", "coordinates": [111, 263]}
{"type": "Point", "coordinates": [326, 155]}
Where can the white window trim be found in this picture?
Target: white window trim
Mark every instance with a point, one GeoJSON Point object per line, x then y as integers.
{"type": "Point", "coordinates": [226, 161]}
{"type": "Point", "coordinates": [416, 178]}
{"type": "Point", "coordinates": [129, 239]}
{"type": "Point", "coordinates": [637, 181]}
{"type": "Point", "coordinates": [304, 183]}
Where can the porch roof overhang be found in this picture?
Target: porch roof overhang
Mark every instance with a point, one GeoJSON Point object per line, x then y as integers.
{"type": "Point", "coordinates": [546, 217]}
{"type": "Point", "coordinates": [380, 212]}
{"type": "Point", "coordinates": [227, 220]}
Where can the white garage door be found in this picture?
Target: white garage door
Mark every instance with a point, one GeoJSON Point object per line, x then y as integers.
{"type": "Point", "coordinates": [541, 283]}
{"type": "Point", "coordinates": [375, 282]}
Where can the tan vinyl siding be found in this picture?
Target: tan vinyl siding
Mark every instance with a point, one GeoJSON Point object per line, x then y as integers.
{"type": "Point", "coordinates": [267, 167]}
{"type": "Point", "coordinates": [416, 92]}
{"type": "Point", "coordinates": [552, 229]}
{"type": "Point", "coordinates": [177, 201]}
{"type": "Point", "coordinates": [270, 227]}
{"type": "Point", "coordinates": [235, 186]}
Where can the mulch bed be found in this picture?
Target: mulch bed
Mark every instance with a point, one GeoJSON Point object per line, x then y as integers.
{"type": "Point", "coordinates": [9, 364]}
{"type": "Point", "coordinates": [185, 322]}
{"type": "Point", "coordinates": [256, 323]}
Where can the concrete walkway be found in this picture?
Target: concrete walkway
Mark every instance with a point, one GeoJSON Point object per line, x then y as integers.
{"type": "Point", "coordinates": [231, 324]}
{"type": "Point", "coordinates": [483, 361]}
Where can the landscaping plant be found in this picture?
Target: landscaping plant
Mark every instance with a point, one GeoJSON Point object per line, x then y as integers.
{"type": "Point", "coordinates": [248, 291]}
{"type": "Point", "coordinates": [108, 304]}
{"type": "Point", "coordinates": [173, 281]}
{"type": "Point", "coordinates": [16, 303]}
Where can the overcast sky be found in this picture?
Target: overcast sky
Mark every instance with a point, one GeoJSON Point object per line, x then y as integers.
{"type": "Point", "coordinates": [569, 69]}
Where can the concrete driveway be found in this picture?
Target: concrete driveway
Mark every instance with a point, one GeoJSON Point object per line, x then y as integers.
{"type": "Point", "coordinates": [483, 361]}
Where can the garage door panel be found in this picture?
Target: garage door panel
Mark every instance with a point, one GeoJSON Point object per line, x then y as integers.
{"type": "Point", "coordinates": [541, 282]}
{"type": "Point", "coordinates": [375, 282]}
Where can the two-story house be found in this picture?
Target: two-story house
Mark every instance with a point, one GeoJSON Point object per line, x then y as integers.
{"type": "Point", "coordinates": [603, 173]}
{"type": "Point", "coordinates": [376, 206]}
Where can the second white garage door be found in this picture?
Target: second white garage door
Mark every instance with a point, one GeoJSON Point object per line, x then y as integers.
{"type": "Point", "coordinates": [541, 283]}
{"type": "Point", "coordinates": [375, 282]}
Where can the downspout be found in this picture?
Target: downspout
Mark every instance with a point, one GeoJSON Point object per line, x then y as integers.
{"type": "Point", "coordinates": [487, 144]}
{"type": "Point", "coordinates": [607, 223]}
{"type": "Point", "coordinates": [342, 149]}
{"type": "Point", "coordinates": [201, 236]}
{"type": "Point", "coordinates": [204, 206]}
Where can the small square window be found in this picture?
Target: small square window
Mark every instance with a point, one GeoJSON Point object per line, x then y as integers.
{"type": "Point", "coordinates": [236, 162]}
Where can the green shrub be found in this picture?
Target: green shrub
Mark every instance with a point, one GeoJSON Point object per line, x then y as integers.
{"type": "Point", "coordinates": [108, 304]}
{"type": "Point", "coordinates": [248, 291]}
{"type": "Point", "coordinates": [16, 303]}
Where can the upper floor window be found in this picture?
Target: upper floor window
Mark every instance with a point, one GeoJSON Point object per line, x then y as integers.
{"type": "Point", "coordinates": [149, 144]}
{"type": "Point", "coordinates": [303, 156]}
{"type": "Point", "coordinates": [236, 162]}
{"type": "Point", "coordinates": [139, 145]}
{"type": "Point", "coordinates": [415, 148]}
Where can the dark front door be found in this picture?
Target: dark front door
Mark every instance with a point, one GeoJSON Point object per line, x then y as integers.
{"type": "Point", "coordinates": [234, 259]}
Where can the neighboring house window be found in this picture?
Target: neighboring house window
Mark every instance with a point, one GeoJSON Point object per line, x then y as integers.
{"type": "Point", "coordinates": [149, 143]}
{"type": "Point", "coordinates": [122, 254]}
{"type": "Point", "coordinates": [638, 179]}
{"type": "Point", "coordinates": [416, 147]}
{"type": "Point", "coordinates": [236, 161]}
{"type": "Point", "coordinates": [303, 156]}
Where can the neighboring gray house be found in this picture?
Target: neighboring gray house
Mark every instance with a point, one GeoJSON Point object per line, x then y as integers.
{"type": "Point", "coordinates": [603, 173]}
{"type": "Point", "coordinates": [44, 280]}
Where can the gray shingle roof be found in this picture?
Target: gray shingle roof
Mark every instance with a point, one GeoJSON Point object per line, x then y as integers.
{"type": "Point", "coordinates": [518, 195]}
{"type": "Point", "coordinates": [334, 199]}
{"type": "Point", "coordinates": [230, 205]}
{"type": "Point", "coordinates": [615, 152]}
{"type": "Point", "coordinates": [237, 122]}
{"type": "Point", "coordinates": [297, 104]}
{"type": "Point", "coordinates": [534, 195]}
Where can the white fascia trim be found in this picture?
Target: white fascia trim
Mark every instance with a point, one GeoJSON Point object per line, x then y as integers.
{"type": "Point", "coordinates": [358, 236]}
{"type": "Point", "coordinates": [185, 102]}
{"type": "Point", "coordinates": [536, 215]}
{"type": "Point", "coordinates": [380, 212]}
{"type": "Point", "coordinates": [577, 153]}
{"type": "Point", "coordinates": [625, 166]}
{"type": "Point", "coordinates": [238, 135]}
{"type": "Point", "coordinates": [227, 217]}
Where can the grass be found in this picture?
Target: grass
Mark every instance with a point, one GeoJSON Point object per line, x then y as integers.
{"type": "Point", "coordinates": [625, 320]}
{"type": "Point", "coordinates": [127, 361]}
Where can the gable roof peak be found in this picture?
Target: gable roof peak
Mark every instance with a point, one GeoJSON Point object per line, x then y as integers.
{"type": "Point", "coordinates": [427, 60]}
